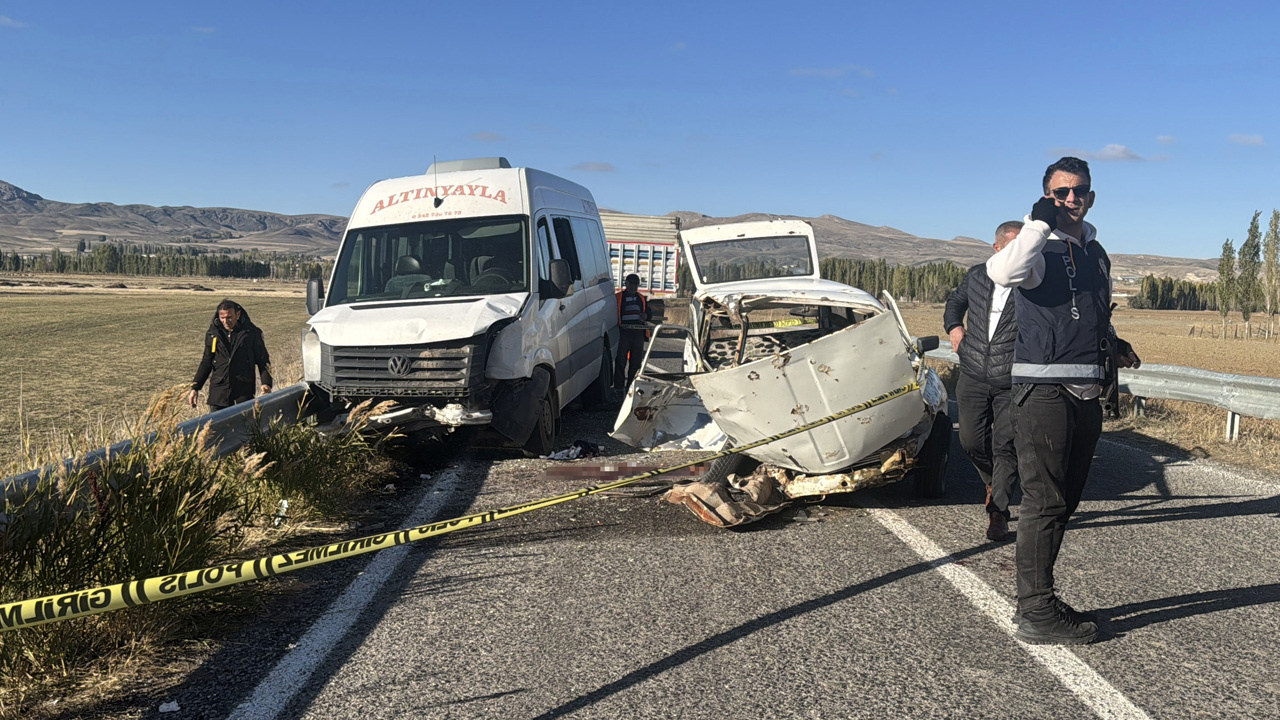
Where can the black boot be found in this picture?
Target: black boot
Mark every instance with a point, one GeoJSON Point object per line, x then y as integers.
{"type": "Point", "coordinates": [1054, 628]}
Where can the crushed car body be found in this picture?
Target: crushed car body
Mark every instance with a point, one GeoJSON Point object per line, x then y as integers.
{"type": "Point", "coordinates": [771, 346]}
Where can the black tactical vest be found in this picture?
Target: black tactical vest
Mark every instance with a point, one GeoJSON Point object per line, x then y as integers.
{"type": "Point", "coordinates": [1063, 320]}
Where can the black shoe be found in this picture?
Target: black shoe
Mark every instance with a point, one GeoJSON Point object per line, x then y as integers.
{"type": "Point", "coordinates": [1072, 613]}
{"type": "Point", "coordinates": [1056, 629]}
{"type": "Point", "coordinates": [997, 526]}
{"type": "Point", "coordinates": [1065, 609]}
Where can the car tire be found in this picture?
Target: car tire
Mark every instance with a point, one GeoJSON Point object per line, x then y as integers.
{"type": "Point", "coordinates": [930, 473]}
{"type": "Point", "coordinates": [542, 440]}
{"type": "Point", "coordinates": [736, 464]}
{"type": "Point", "coordinates": [597, 393]}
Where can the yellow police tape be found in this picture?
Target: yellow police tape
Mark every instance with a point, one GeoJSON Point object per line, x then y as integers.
{"type": "Point", "coordinates": [80, 603]}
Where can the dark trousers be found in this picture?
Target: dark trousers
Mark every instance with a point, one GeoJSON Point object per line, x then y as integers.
{"type": "Point", "coordinates": [1055, 433]}
{"type": "Point", "coordinates": [629, 356]}
{"type": "Point", "coordinates": [235, 401]}
{"type": "Point", "coordinates": [986, 434]}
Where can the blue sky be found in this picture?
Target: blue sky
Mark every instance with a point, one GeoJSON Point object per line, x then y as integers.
{"type": "Point", "coordinates": [935, 118]}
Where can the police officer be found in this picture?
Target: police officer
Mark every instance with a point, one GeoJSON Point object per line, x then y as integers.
{"type": "Point", "coordinates": [1062, 276]}
{"type": "Point", "coordinates": [633, 316]}
{"type": "Point", "coordinates": [982, 390]}
{"type": "Point", "coordinates": [233, 347]}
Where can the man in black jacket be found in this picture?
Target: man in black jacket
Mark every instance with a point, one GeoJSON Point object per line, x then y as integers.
{"type": "Point", "coordinates": [1063, 280]}
{"type": "Point", "coordinates": [982, 390]}
{"type": "Point", "coordinates": [233, 347]}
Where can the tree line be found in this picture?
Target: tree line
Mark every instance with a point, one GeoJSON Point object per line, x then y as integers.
{"type": "Point", "coordinates": [118, 258]}
{"type": "Point", "coordinates": [917, 283]}
{"type": "Point", "coordinates": [1249, 280]}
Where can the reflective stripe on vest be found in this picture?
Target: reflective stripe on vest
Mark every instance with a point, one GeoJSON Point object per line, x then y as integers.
{"type": "Point", "coordinates": [1061, 372]}
{"type": "Point", "coordinates": [631, 309]}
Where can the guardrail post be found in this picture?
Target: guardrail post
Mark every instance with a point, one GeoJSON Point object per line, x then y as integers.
{"type": "Point", "coordinates": [1139, 406]}
{"type": "Point", "coordinates": [1233, 426]}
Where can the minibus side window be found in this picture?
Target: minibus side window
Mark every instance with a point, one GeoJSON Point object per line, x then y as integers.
{"type": "Point", "coordinates": [590, 250]}
{"type": "Point", "coordinates": [545, 256]}
{"type": "Point", "coordinates": [564, 242]}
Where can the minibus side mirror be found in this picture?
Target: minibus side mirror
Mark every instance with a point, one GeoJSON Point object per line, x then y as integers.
{"type": "Point", "coordinates": [561, 278]}
{"type": "Point", "coordinates": [315, 295]}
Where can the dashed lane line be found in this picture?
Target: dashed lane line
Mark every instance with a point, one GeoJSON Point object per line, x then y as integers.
{"type": "Point", "coordinates": [1086, 684]}
{"type": "Point", "coordinates": [273, 695]}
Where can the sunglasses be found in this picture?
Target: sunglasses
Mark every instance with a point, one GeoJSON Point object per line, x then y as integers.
{"type": "Point", "coordinates": [1063, 193]}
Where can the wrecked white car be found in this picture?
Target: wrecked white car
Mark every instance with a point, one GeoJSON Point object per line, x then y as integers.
{"type": "Point", "coordinates": [770, 347]}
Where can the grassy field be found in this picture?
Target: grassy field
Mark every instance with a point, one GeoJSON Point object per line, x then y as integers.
{"type": "Point", "coordinates": [76, 360]}
{"type": "Point", "coordinates": [1164, 336]}
{"type": "Point", "coordinates": [81, 359]}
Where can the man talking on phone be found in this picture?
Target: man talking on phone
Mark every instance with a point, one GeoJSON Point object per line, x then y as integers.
{"type": "Point", "coordinates": [1062, 278]}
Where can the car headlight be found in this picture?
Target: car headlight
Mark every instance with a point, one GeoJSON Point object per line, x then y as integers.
{"type": "Point", "coordinates": [311, 354]}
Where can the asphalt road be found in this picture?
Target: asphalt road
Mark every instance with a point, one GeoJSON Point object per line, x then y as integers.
{"type": "Point", "coordinates": [868, 605]}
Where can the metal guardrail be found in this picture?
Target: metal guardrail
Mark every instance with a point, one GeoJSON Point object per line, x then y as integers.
{"type": "Point", "coordinates": [1239, 395]}
{"type": "Point", "coordinates": [229, 429]}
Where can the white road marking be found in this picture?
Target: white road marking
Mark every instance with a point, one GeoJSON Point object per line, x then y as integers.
{"type": "Point", "coordinates": [1101, 697]}
{"type": "Point", "coordinates": [291, 674]}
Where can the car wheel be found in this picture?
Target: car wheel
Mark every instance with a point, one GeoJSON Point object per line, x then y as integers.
{"type": "Point", "coordinates": [597, 393]}
{"type": "Point", "coordinates": [930, 473]}
{"type": "Point", "coordinates": [543, 438]}
{"type": "Point", "coordinates": [736, 464]}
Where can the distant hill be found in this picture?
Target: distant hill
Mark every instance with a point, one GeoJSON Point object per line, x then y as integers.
{"type": "Point", "coordinates": [31, 224]}
{"type": "Point", "coordinates": [838, 237]}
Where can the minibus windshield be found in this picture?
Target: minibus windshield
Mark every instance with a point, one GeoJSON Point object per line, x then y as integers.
{"type": "Point", "coordinates": [440, 258]}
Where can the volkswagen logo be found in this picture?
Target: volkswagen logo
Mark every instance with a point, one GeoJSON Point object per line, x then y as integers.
{"type": "Point", "coordinates": [400, 365]}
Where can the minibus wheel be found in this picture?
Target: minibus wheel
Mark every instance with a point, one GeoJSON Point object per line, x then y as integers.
{"type": "Point", "coordinates": [543, 438]}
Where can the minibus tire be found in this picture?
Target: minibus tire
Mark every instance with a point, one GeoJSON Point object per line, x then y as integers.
{"type": "Point", "coordinates": [597, 393]}
{"type": "Point", "coordinates": [542, 440]}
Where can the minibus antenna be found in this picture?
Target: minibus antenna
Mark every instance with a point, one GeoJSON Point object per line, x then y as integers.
{"type": "Point", "coordinates": [438, 201]}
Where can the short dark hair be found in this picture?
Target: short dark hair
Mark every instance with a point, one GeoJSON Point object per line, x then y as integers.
{"type": "Point", "coordinates": [632, 278]}
{"type": "Point", "coordinates": [1009, 227]}
{"type": "Point", "coordinates": [230, 305]}
{"type": "Point", "coordinates": [1072, 165]}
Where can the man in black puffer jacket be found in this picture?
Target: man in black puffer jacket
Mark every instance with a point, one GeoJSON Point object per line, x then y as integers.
{"type": "Point", "coordinates": [983, 388]}
{"type": "Point", "coordinates": [233, 347]}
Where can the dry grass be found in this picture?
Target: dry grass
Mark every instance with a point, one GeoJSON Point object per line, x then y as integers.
{"type": "Point", "coordinates": [165, 506]}
{"type": "Point", "coordinates": [77, 362]}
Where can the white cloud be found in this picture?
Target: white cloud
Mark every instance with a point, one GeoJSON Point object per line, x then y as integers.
{"type": "Point", "coordinates": [6, 21]}
{"type": "Point", "coordinates": [832, 72]}
{"type": "Point", "coordinates": [204, 30]}
{"type": "Point", "coordinates": [678, 47]}
{"type": "Point", "coordinates": [1166, 139]}
{"type": "Point", "coordinates": [1109, 153]}
{"type": "Point", "coordinates": [594, 167]}
{"type": "Point", "coordinates": [486, 136]}
{"type": "Point", "coordinates": [1242, 139]}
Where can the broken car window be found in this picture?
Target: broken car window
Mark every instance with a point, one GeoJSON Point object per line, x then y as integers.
{"type": "Point", "coordinates": [752, 259]}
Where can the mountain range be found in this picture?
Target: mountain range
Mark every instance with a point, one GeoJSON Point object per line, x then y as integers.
{"type": "Point", "coordinates": [30, 223]}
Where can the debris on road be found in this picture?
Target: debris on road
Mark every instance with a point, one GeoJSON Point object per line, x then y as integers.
{"type": "Point", "coordinates": [771, 347]}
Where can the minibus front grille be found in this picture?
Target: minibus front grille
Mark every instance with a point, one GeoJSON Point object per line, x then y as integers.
{"type": "Point", "coordinates": [450, 369]}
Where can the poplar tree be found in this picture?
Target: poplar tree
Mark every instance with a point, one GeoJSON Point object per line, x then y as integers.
{"type": "Point", "coordinates": [1226, 282]}
{"type": "Point", "coordinates": [1247, 283]}
{"type": "Point", "coordinates": [1271, 271]}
